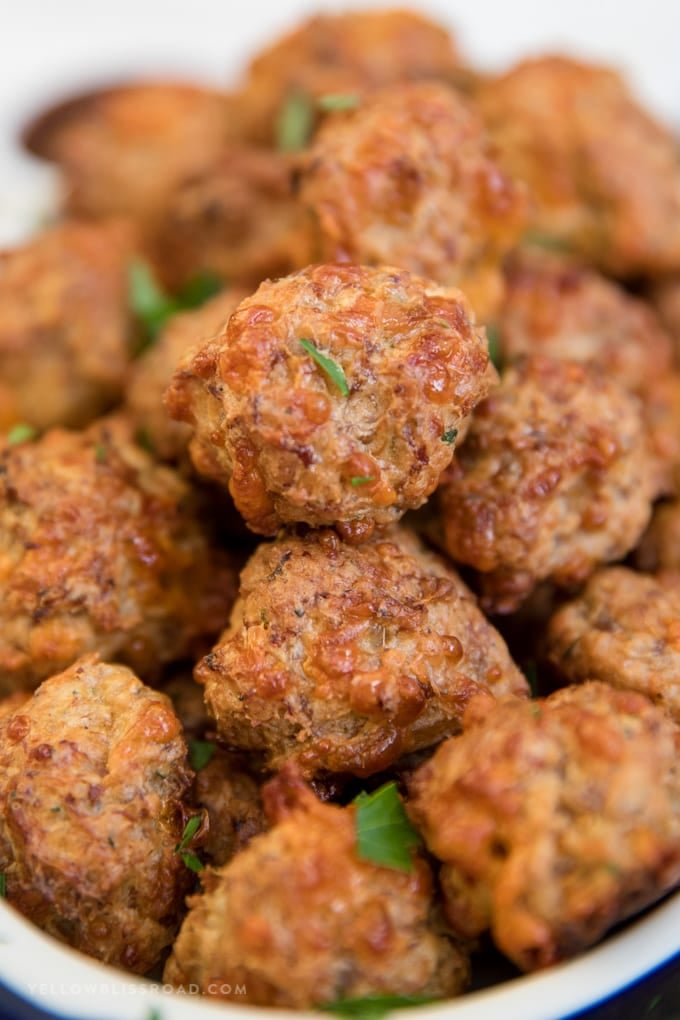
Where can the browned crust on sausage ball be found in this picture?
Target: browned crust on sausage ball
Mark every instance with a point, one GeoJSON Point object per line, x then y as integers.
{"type": "Point", "coordinates": [553, 479]}
{"type": "Point", "coordinates": [659, 547]}
{"type": "Point", "coordinates": [554, 820]}
{"type": "Point", "coordinates": [664, 295]}
{"type": "Point", "coordinates": [93, 771]}
{"type": "Point", "coordinates": [64, 323]}
{"type": "Point", "coordinates": [229, 790]}
{"type": "Point", "coordinates": [624, 628]}
{"type": "Point", "coordinates": [299, 919]}
{"type": "Point", "coordinates": [409, 179]}
{"type": "Point", "coordinates": [101, 549]}
{"type": "Point", "coordinates": [291, 444]}
{"type": "Point", "coordinates": [346, 658]}
{"type": "Point", "coordinates": [604, 176]}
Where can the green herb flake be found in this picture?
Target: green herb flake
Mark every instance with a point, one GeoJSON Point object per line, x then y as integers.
{"type": "Point", "coordinates": [201, 753]}
{"type": "Point", "coordinates": [338, 102]}
{"type": "Point", "coordinates": [361, 480]}
{"type": "Point", "coordinates": [143, 439]}
{"type": "Point", "coordinates": [295, 123]}
{"type": "Point", "coordinates": [3, 885]}
{"type": "Point", "coordinates": [152, 306]}
{"type": "Point", "coordinates": [373, 1007]}
{"type": "Point", "coordinates": [536, 711]}
{"type": "Point", "coordinates": [154, 1014]}
{"type": "Point", "coordinates": [551, 242]}
{"type": "Point", "coordinates": [531, 674]}
{"type": "Point", "coordinates": [190, 830]}
{"type": "Point", "coordinates": [327, 365]}
{"type": "Point", "coordinates": [384, 834]}
{"type": "Point", "coordinates": [191, 861]}
{"type": "Point", "coordinates": [100, 454]}
{"type": "Point", "coordinates": [198, 290]}
{"type": "Point", "coordinates": [21, 434]}
{"type": "Point", "coordinates": [494, 346]}
{"type": "Point", "coordinates": [449, 436]}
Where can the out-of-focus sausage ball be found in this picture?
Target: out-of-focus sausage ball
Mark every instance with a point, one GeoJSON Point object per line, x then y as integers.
{"type": "Point", "coordinates": [409, 179]}
{"type": "Point", "coordinates": [101, 550]}
{"type": "Point", "coordinates": [93, 775]}
{"type": "Point", "coordinates": [664, 295]}
{"type": "Point", "coordinates": [659, 547]}
{"type": "Point", "coordinates": [64, 324]}
{"type": "Point", "coordinates": [299, 919]}
{"type": "Point", "coordinates": [662, 419]}
{"type": "Point", "coordinates": [604, 176]}
{"type": "Point", "coordinates": [624, 628]}
{"type": "Point", "coordinates": [553, 479]}
{"type": "Point", "coordinates": [341, 54]}
{"type": "Point", "coordinates": [228, 789]}
{"type": "Point", "coordinates": [238, 219]}
{"type": "Point", "coordinates": [344, 659]}
{"type": "Point", "coordinates": [557, 308]}
{"type": "Point", "coordinates": [151, 374]}
{"type": "Point", "coordinates": [334, 396]}
{"type": "Point", "coordinates": [554, 820]}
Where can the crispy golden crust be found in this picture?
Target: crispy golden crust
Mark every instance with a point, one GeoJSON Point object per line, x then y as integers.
{"type": "Point", "coordinates": [291, 445]}
{"type": "Point", "coordinates": [604, 176]}
{"type": "Point", "coordinates": [237, 218]}
{"type": "Point", "coordinates": [229, 791]}
{"type": "Point", "coordinates": [659, 547]}
{"type": "Point", "coordinates": [93, 771]}
{"type": "Point", "coordinates": [345, 658]}
{"type": "Point", "coordinates": [299, 919]}
{"type": "Point", "coordinates": [553, 479]}
{"type": "Point", "coordinates": [151, 374]}
{"type": "Point", "coordinates": [100, 549]}
{"type": "Point", "coordinates": [624, 628]}
{"type": "Point", "coordinates": [64, 324]}
{"type": "Point", "coordinates": [562, 310]}
{"type": "Point", "coordinates": [344, 54]}
{"type": "Point", "coordinates": [409, 179]}
{"type": "Point", "coordinates": [554, 820]}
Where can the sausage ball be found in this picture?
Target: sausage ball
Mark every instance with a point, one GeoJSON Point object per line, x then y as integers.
{"type": "Point", "coordinates": [341, 54]}
{"type": "Point", "coordinates": [93, 773]}
{"type": "Point", "coordinates": [665, 297]}
{"type": "Point", "coordinates": [334, 396]}
{"type": "Point", "coordinates": [344, 659]}
{"type": "Point", "coordinates": [604, 176]}
{"type": "Point", "coordinates": [562, 310]}
{"type": "Point", "coordinates": [659, 547]}
{"type": "Point", "coordinates": [64, 324]}
{"type": "Point", "coordinates": [409, 179]}
{"type": "Point", "coordinates": [624, 628]}
{"type": "Point", "coordinates": [662, 419]}
{"type": "Point", "coordinates": [553, 479]}
{"type": "Point", "coordinates": [151, 374]}
{"type": "Point", "coordinates": [300, 919]}
{"type": "Point", "coordinates": [554, 820]}
{"type": "Point", "coordinates": [238, 219]}
{"type": "Point", "coordinates": [228, 789]}
{"type": "Point", "coordinates": [100, 550]}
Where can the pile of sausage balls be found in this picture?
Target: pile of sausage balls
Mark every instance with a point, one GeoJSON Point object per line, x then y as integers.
{"type": "Point", "coordinates": [399, 504]}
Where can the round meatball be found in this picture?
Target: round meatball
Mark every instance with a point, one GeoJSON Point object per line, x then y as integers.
{"type": "Point", "coordinates": [659, 547]}
{"type": "Point", "coordinates": [238, 218]}
{"type": "Point", "coordinates": [299, 919]}
{"type": "Point", "coordinates": [604, 176]}
{"type": "Point", "coordinates": [624, 628]}
{"type": "Point", "coordinates": [334, 396]}
{"type": "Point", "coordinates": [554, 820]}
{"type": "Point", "coordinates": [229, 791]}
{"type": "Point", "coordinates": [409, 179]}
{"type": "Point", "coordinates": [59, 294]}
{"type": "Point", "coordinates": [559, 309]}
{"type": "Point", "coordinates": [151, 374]}
{"type": "Point", "coordinates": [341, 54]}
{"type": "Point", "coordinates": [101, 550]}
{"type": "Point", "coordinates": [93, 775]}
{"type": "Point", "coordinates": [553, 479]}
{"type": "Point", "coordinates": [344, 659]}
{"type": "Point", "coordinates": [662, 415]}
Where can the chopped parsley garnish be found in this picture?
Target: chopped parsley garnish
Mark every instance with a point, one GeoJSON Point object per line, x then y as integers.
{"type": "Point", "coordinates": [100, 453]}
{"type": "Point", "coordinates": [327, 365]}
{"type": "Point", "coordinates": [295, 123]}
{"type": "Point", "coordinates": [531, 674]}
{"type": "Point", "coordinates": [361, 480]}
{"type": "Point", "coordinates": [539, 239]}
{"type": "Point", "coordinates": [143, 439]}
{"type": "Point", "coordinates": [201, 753]}
{"type": "Point", "coordinates": [384, 833]}
{"type": "Point", "coordinates": [494, 345]}
{"type": "Point", "coordinates": [153, 307]}
{"type": "Point", "coordinates": [338, 102]}
{"type": "Point", "coordinates": [21, 434]}
{"type": "Point", "coordinates": [373, 1007]}
{"type": "Point", "coordinates": [3, 885]}
{"type": "Point", "coordinates": [154, 1014]}
{"type": "Point", "coordinates": [449, 436]}
{"type": "Point", "coordinates": [190, 859]}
